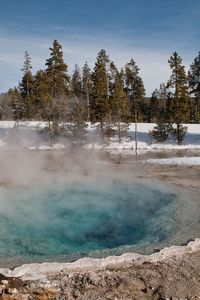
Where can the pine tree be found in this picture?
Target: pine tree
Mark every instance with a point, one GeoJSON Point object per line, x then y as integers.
{"type": "Point", "coordinates": [77, 125]}
{"type": "Point", "coordinates": [76, 83]}
{"type": "Point", "coordinates": [112, 72]}
{"type": "Point", "coordinates": [154, 105]}
{"type": "Point", "coordinates": [161, 113]}
{"type": "Point", "coordinates": [41, 95]}
{"type": "Point", "coordinates": [26, 87]}
{"type": "Point", "coordinates": [180, 98]}
{"type": "Point", "coordinates": [135, 91]}
{"type": "Point", "coordinates": [58, 86]}
{"type": "Point", "coordinates": [194, 84]}
{"type": "Point", "coordinates": [112, 76]}
{"type": "Point", "coordinates": [100, 91]}
{"type": "Point", "coordinates": [163, 93]}
{"type": "Point", "coordinates": [158, 101]}
{"type": "Point", "coordinates": [120, 107]}
{"type": "Point", "coordinates": [17, 104]}
{"type": "Point", "coordinates": [87, 88]}
{"type": "Point", "coordinates": [57, 72]}
{"type": "Point", "coordinates": [162, 129]}
{"type": "Point", "coordinates": [134, 88]}
{"type": "Point", "coordinates": [6, 110]}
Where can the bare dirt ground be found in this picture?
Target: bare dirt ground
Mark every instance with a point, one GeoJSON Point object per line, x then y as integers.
{"type": "Point", "coordinates": [183, 176]}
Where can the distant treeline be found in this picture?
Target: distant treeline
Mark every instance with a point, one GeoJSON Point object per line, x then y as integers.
{"type": "Point", "coordinates": [105, 94]}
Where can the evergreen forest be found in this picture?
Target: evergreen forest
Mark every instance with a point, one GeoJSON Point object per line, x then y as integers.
{"type": "Point", "coordinates": [105, 95]}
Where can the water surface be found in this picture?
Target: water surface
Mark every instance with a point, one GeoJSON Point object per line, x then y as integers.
{"type": "Point", "coordinates": [80, 217]}
{"type": "Point", "coordinates": [94, 210]}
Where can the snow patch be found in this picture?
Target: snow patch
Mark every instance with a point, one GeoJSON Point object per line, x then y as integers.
{"type": "Point", "coordinates": [47, 147]}
{"type": "Point", "coordinates": [189, 161]}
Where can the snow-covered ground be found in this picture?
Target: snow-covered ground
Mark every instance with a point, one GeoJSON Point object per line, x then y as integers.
{"type": "Point", "coordinates": [187, 161]}
{"type": "Point", "coordinates": [147, 143]}
{"type": "Point", "coordinates": [28, 135]}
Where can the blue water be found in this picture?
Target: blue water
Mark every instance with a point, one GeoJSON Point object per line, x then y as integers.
{"type": "Point", "coordinates": [82, 217]}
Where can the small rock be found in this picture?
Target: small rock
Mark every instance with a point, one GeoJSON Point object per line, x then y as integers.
{"type": "Point", "coordinates": [2, 287]}
{"type": "Point", "coordinates": [144, 290]}
{"type": "Point", "coordinates": [139, 283]}
{"type": "Point", "coordinates": [12, 291]}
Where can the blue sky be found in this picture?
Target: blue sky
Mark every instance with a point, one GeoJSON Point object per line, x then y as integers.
{"type": "Point", "coordinates": [147, 30]}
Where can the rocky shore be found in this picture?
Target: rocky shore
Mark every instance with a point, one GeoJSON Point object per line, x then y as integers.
{"type": "Point", "coordinates": [173, 273]}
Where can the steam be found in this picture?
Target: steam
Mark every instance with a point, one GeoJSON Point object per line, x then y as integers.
{"type": "Point", "coordinates": [60, 203]}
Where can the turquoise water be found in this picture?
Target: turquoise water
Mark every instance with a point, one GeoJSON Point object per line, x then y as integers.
{"type": "Point", "coordinates": [79, 218]}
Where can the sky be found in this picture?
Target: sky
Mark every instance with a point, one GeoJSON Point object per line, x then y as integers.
{"type": "Point", "coordinates": [148, 31]}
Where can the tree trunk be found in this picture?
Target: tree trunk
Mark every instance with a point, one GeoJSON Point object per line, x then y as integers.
{"type": "Point", "coordinates": [119, 132]}
{"type": "Point", "coordinates": [50, 134]}
{"type": "Point", "coordinates": [88, 106]}
{"type": "Point", "coordinates": [198, 109]}
{"type": "Point", "coordinates": [136, 142]}
{"type": "Point", "coordinates": [101, 128]}
{"type": "Point", "coordinates": [178, 138]}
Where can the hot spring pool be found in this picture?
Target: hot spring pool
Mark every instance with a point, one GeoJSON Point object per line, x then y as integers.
{"type": "Point", "coordinates": [85, 219]}
{"type": "Point", "coordinates": [71, 218]}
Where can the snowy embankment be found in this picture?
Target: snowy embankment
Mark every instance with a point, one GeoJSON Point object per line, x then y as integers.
{"type": "Point", "coordinates": [28, 135]}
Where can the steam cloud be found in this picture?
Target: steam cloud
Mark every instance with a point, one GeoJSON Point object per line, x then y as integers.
{"type": "Point", "coordinates": [58, 203]}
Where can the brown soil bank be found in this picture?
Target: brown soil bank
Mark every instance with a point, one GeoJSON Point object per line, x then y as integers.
{"type": "Point", "coordinates": [174, 273]}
